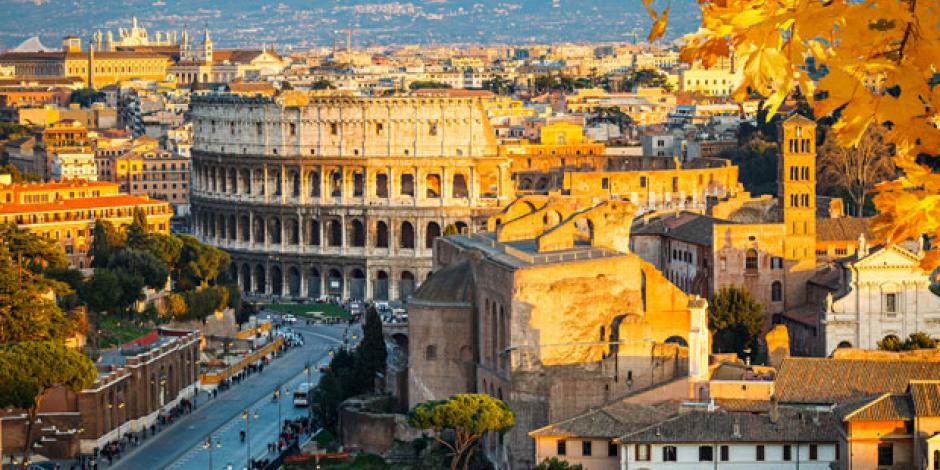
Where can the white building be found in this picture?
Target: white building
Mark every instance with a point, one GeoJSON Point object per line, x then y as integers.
{"type": "Point", "coordinates": [883, 292]}
{"type": "Point", "coordinates": [74, 165]}
{"type": "Point", "coordinates": [706, 440]}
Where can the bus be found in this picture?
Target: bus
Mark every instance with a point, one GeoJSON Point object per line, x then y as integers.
{"type": "Point", "coordinates": [302, 394]}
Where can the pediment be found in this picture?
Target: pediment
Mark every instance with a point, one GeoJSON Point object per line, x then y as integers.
{"type": "Point", "coordinates": [888, 257]}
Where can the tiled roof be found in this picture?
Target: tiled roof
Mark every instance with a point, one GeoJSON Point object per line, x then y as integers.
{"type": "Point", "coordinates": [824, 380]}
{"type": "Point", "coordinates": [720, 426]}
{"type": "Point", "coordinates": [925, 395]}
{"type": "Point", "coordinates": [610, 421]}
{"type": "Point", "coordinates": [887, 407]}
{"type": "Point", "coordinates": [450, 285]}
{"type": "Point", "coordinates": [121, 200]}
{"type": "Point", "coordinates": [739, 404]}
{"type": "Point", "coordinates": [685, 226]}
{"type": "Point", "coordinates": [843, 229]}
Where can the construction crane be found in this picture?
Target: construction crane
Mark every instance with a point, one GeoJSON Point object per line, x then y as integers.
{"type": "Point", "coordinates": [635, 34]}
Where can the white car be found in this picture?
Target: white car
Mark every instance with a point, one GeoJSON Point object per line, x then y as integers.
{"type": "Point", "coordinates": [289, 318]}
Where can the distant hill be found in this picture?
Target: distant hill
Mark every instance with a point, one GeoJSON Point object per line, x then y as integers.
{"type": "Point", "coordinates": [308, 23]}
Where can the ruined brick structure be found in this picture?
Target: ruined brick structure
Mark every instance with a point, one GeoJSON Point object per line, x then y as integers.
{"type": "Point", "coordinates": [340, 195]}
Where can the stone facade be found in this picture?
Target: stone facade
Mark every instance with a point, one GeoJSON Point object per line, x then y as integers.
{"type": "Point", "coordinates": [882, 293]}
{"type": "Point", "coordinates": [563, 317]}
{"type": "Point", "coordinates": [338, 195]}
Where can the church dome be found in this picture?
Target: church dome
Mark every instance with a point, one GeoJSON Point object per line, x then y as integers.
{"type": "Point", "coordinates": [451, 286]}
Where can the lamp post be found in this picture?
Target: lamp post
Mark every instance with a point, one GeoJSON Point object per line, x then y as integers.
{"type": "Point", "coordinates": [208, 445]}
{"type": "Point", "coordinates": [247, 417]}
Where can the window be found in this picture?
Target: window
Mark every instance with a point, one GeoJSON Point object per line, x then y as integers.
{"type": "Point", "coordinates": [642, 181]}
{"type": "Point", "coordinates": [760, 453]}
{"type": "Point", "coordinates": [776, 291]}
{"type": "Point", "coordinates": [787, 453]}
{"type": "Point", "coordinates": [586, 448]}
{"type": "Point", "coordinates": [723, 262]}
{"type": "Point", "coordinates": [560, 448]}
{"type": "Point", "coordinates": [885, 454]}
{"type": "Point", "coordinates": [669, 454]}
{"type": "Point", "coordinates": [813, 452]}
{"type": "Point", "coordinates": [724, 453]}
{"type": "Point", "coordinates": [642, 453]}
{"type": "Point", "coordinates": [891, 303]}
{"type": "Point", "coordinates": [612, 449]}
{"type": "Point", "coordinates": [776, 262]}
{"type": "Point", "coordinates": [750, 261]}
{"type": "Point", "coordinates": [379, 127]}
{"type": "Point", "coordinates": [705, 453]}
{"type": "Point", "coordinates": [431, 353]}
{"type": "Point", "coordinates": [605, 183]}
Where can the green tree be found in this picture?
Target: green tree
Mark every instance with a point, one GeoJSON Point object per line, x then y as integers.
{"type": "Point", "coordinates": [468, 416]}
{"type": "Point", "coordinates": [199, 264]}
{"type": "Point", "coordinates": [919, 340]}
{"type": "Point", "coordinates": [425, 84]}
{"type": "Point", "coordinates": [86, 96]}
{"type": "Point", "coordinates": [166, 247]}
{"type": "Point", "coordinates": [18, 176]}
{"type": "Point", "coordinates": [142, 263]}
{"type": "Point", "coordinates": [757, 162]}
{"type": "Point", "coordinates": [32, 251]}
{"type": "Point", "coordinates": [136, 231]}
{"type": "Point", "coordinates": [102, 291]}
{"type": "Point", "coordinates": [890, 343]}
{"type": "Point", "coordinates": [27, 312]}
{"type": "Point", "coordinates": [645, 78]}
{"type": "Point", "coordinates": [202, 303]}
{"type": "Point", "coordinates": [106, 240]}
{"type": "Point", "coordinates": [175, 305]}
{"type": "Point", "coordinates": [326, 400]}
{"type": "Point", "coordinates": [555, 464]}
{"type": "Point", "coordinates": [499, 85]}
{"type": "Point", "coordinates": [322, 84]}
{"type": "Point", "coordinates": [735, 320]}
{"type": "Point", "coordinates": [31, 369]}
{"type": "Point", "coordinates": [372, 353]}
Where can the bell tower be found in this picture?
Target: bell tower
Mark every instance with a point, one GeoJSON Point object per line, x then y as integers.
{"type": "Point", "coordinates": [797, 194]}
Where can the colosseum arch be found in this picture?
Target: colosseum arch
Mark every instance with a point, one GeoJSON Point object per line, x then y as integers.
{"type": "Point", "coordinates": [357, 233]}
{"type": "Point", "coordinates": [406, 185]}
{"type": "Point", "coordinates": [244, 181]}
{"type": "Point", "coordinates": [313, 183]}
{"type": "Point", "coordinates": [459, 189]}
{"type": "Point", "coordinates": [260, 279]}
{"type": "Point", "coordinates": [257, 181]}
{"type": "Point", "coordinates": [431, 233]}
{"type": "Point", "coordinates": [551, 218]}
{"type": "Point", "coordinates": [246, 278]}
{"type": "Point", "coordinates": [293, 231]}
{"type": "Point", "coordinates": [357, 284]}
{"type": "Point", "coordinates": [461, 226]}
{"type": "Point", "coordinates": [406, 236]}
{"type": "Point", "coordinates": [406, 284]}
{"type": "Point", "coordinates": [277, 281]}
{"type": "Point", "coordinates": [336, 183]}
{"type": "Point", "coordinates": [380, 286]}
{"type": "Point", "coordinates": [245, 227]}
{"type": "Point", "coordinates": [381, 185]}
{"type": "Point", "coordinates": [381, 234]}
{"type": "Point", "coordinates": [334, 233]}
{"type": "Point", "coordinates": [293, 183]}
{"type": "Point", "coordinates": [313, 283]}
{"type": "Point", "coordinates": [359, 183]}
{"type": "Point", "coordinates": [223, 180]}
{"type": "Point", "coordinates": [213, 180]}
{"type": "Point", "coordinates": [293, 282]}
{"type": "Point", "coordinates": [584, 231]}
{"type": "Point", "coordinates": [220, 228]}
{"type": "Point", "coordinates": [232, 227]}
{"type": "Point", "coordinates": [432, 183]}
{"type": "Point", "coordinates": [334, 282]}
{"type": "Point", "coordinates": [259, 229]}
{"type": "Point", "coordinates": [274, 230]}
{"type": "Point", "coordinates": [313, 232]}
{"type": "Point", "coordinates": [274, 182]}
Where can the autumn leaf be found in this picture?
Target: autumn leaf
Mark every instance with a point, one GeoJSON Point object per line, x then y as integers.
{"type": "Point", "coordinates": [659, 26]}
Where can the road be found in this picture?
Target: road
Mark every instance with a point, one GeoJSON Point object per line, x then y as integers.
{"type": "Point", "coordinates": [181, 445]}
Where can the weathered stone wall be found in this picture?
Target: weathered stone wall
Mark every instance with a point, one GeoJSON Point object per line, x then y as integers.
{"type": "Point", "coordinates": [441, 356]}
{"type": "Point", "coordinates": [732, 243]}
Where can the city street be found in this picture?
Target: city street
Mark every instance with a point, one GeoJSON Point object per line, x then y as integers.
{"type": "Point", "coordinates": [181, 446]}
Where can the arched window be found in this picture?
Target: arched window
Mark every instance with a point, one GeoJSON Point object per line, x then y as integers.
{"type": "Point", "coordinates": [407, 187]}
{"type": "Point", "coordinates": [433, 184]}
{"type": "Point", "coordinates": [357, 233]}
{"type": "Point", "coordinates": [381, 185]}
{"type": "Point", "coordinates": [776, 291]}
{"type": "Point", "coordinates": [431, 233]}
{"type": "Point", "coordinates": [750, 261]}
{"type": "Point", "coordinates": [406, 236]}
{"type": "Point", "coordinates": [381, 234]}
{"type": "Point", "coordinates": [313, 232]}
{"type": "Point", "coordinates": [460, 186]}
{"type": "Point", "coordinates": [336, 233]}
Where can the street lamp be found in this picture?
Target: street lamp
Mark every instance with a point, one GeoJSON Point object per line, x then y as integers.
{"type": "Point", "coordinates": [208, 445]}
{"type": "Point", "coordinates": [246, 417]}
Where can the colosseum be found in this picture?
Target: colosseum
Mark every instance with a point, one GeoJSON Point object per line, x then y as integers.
{"type": "Point", "coordinates": [340, 195]}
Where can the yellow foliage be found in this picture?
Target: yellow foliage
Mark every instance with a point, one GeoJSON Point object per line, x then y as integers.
{"type": "Point", "coordinates": [881, 59]}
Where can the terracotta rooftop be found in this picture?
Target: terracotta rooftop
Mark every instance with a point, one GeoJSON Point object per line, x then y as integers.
{"type": "Point", "coordinates": [843, 229]}
{"type": "Point", "coordinates": [829, 381]}
{"type": "Point", "coordinates": [65, 184]}
{"type": "Point", "coordinates": [925, 395]}
{"type": "Point", "coordinates": [609, 421]}
{"type": "Point", "coordinates": [119, 200]}
{"type": "Point", "coordinates": [887, 407]}
{"type": "Point", "coordinates": [719, 426]}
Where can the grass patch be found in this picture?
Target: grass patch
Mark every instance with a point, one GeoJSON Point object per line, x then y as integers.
{"type": "Point", "coordinates": [312, 311]}
{"type": "Point", "coordinates": [113, 331]}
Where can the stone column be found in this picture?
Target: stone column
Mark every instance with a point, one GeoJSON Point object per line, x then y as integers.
{"type": "Point", "coordinates": [251, 228]}
{"type": "Point", "coordinates": [283, 177]}
{"type": "Point", "coordinates": [264, 183]}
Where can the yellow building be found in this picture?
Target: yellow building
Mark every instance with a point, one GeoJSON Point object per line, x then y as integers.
{"type": "Point", "coordinates": [562, 145]}
{"type": "Point", "coordinates": [711, 82]}
{"type": "Point", "coordinates": [66, 211]}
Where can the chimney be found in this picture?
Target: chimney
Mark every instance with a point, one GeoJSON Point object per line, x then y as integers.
{"type": "Point", "coordinates": [862, 246]}
{"type": "Point", "coordinates": [774, 409]}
